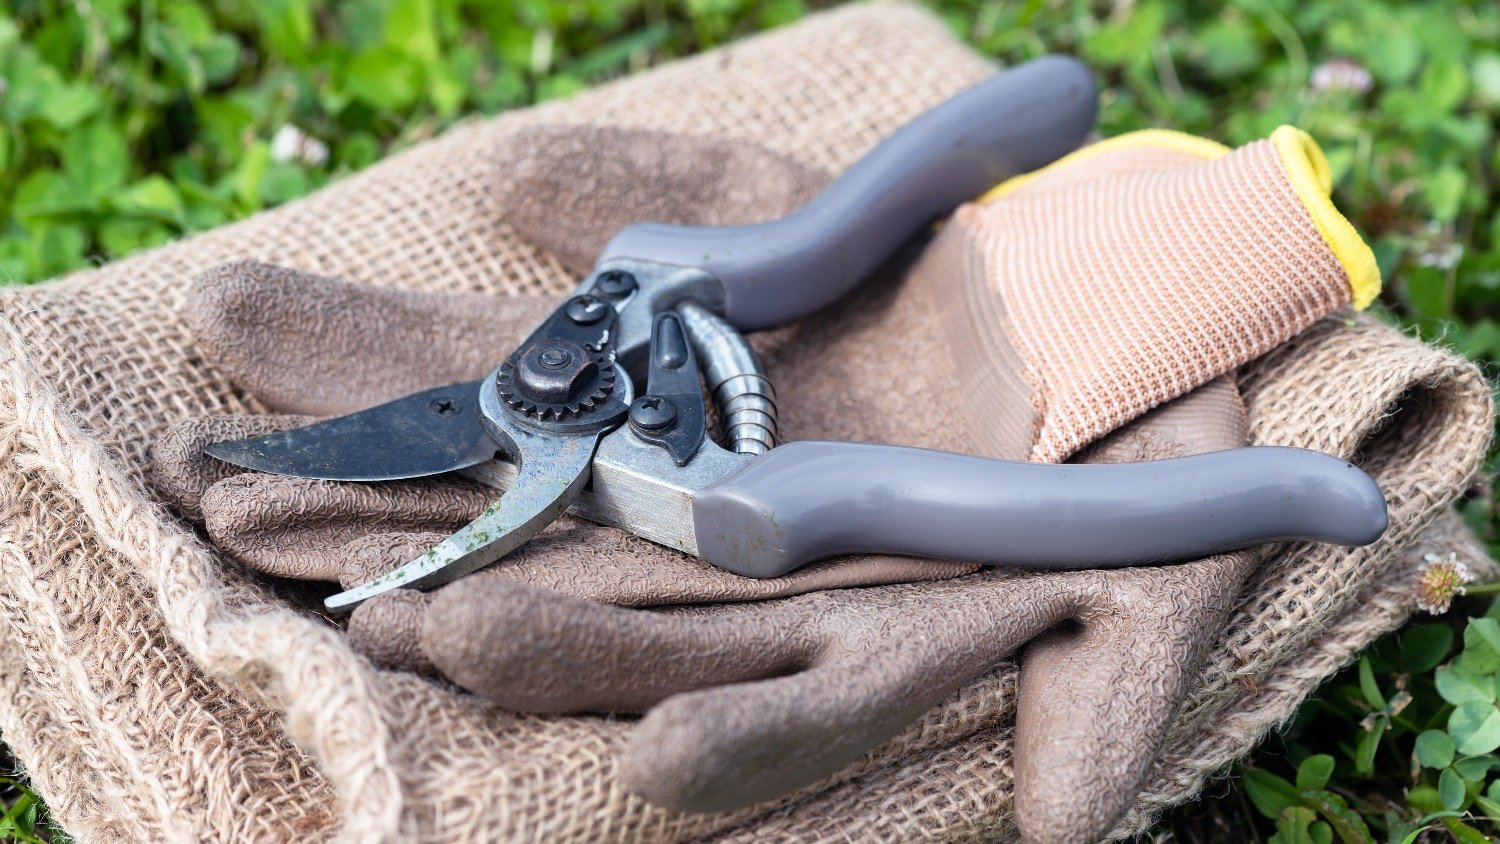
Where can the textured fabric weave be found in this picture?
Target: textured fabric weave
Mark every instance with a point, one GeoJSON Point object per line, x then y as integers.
{"type": "Point", "coordinates": [156, 694]}
{"type": "Point", "coordinates": [1136, 274]}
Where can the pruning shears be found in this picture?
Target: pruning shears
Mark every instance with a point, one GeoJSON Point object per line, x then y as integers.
{"type": "Point", "coordinates": [666, 305]}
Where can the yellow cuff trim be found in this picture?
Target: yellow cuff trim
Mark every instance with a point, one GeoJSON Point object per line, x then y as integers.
{"type": "Point", "coordinates": [1179, 141]}
{"type": "Point", "coordinates": [1307, 170]}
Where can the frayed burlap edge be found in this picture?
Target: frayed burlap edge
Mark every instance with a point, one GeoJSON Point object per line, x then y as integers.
{"type": "Point", "coordinates": [236, 628]}
{"type": "Point", "coordinates": [1186, 767]}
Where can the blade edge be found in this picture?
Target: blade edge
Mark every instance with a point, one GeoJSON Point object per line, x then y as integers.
{"type": "Point", "coordinates": [426, 433]}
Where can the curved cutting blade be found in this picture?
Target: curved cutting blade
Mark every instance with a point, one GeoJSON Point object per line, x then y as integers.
{"type": "Point", "coordinates": [426, 433]}
{"type": "Point", "coordinates": [553, 469]}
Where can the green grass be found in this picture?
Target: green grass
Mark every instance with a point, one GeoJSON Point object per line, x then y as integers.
{"type": "Point", "coordinates": [126, 124]}
{"type": "Point", "coordinates": [23, 817]}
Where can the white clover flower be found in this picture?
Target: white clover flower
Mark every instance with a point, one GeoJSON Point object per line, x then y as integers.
{"type": "Point", "coordinates": [1437, 247]}
{"type": "Point", "coordinates": [290, 143]}
{"type": "Point", "coordinates": [1341, 75]}
{"type": "Point", "coordinates": [1439, 581]}
{"type": "Point", "coordinates": [1443, 256]}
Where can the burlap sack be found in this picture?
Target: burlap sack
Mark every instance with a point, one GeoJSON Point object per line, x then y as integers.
{"type": "Point", "coordinates": [156, 694]}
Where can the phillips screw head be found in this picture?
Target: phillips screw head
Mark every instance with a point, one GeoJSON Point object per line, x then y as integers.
{"type": "Point", "coordinates": [587, 310]}
{"type": "Point", "coordinates": [616, 283]}
{"type": "Point", "coordinates": [652, 413]}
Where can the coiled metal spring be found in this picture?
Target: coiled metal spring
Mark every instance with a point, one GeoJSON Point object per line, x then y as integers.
{"type": "Point", "coordinates": [744, 395]}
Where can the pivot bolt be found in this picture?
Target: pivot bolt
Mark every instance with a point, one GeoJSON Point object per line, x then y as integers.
{"type": "Point", "coordinates": [554, 371]}
{"type": "Point", "coordinates": [616, 283]}
{"type": "Point", "coordinates": [587, 310]}
{"type": "Point", "coordinates": [555, 358]}
{"type": "Point", "coordinates": [652, 413]}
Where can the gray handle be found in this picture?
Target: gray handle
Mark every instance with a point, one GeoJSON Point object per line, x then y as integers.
{"type": "Point", "coordinates": [807, 500]}
{"type": "Point", "coordinates": [774, 272]}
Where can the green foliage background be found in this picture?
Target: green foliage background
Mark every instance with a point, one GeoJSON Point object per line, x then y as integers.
{"type": "Point", "coordinates": [125, 123]}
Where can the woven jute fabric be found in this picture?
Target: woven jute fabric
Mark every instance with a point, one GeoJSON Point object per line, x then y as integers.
{"type": "Point", "coordinates": [155, 692]}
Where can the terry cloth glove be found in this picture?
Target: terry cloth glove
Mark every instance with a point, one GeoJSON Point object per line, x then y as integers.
{"type": "Point", "coordinates": [820, 680]}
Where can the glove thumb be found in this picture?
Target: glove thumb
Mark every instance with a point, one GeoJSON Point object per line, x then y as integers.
{"type": "Point", "coordinates": [304, 343]}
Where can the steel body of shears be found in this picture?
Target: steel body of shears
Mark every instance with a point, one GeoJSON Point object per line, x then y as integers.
{"type": "Point", "coordinates": [668, 302]}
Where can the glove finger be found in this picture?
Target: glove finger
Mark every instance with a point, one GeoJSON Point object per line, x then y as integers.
{"type": "Point", "coordinates": [1095, 700]}
{"type": "Point", "coordinates": [536, 650]}
{"type": "Point", "coordinates": [304, 343]}
{"type": "Point", "coordinates": [301, 528]}
{"type": "Point", "coordinates": [569, 189]}
{"type": "Point", "coordinates": [387, 630]}
{"type": "Point", "coordinates": [181, 472]}
{"type": "Point", "coordinates": [370, 556]}
{"type": "Point", "coordinates": [897, 652]}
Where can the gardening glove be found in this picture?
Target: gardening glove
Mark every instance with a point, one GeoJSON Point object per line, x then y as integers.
{"type": "Point", "coordinates": [1095, 711]}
